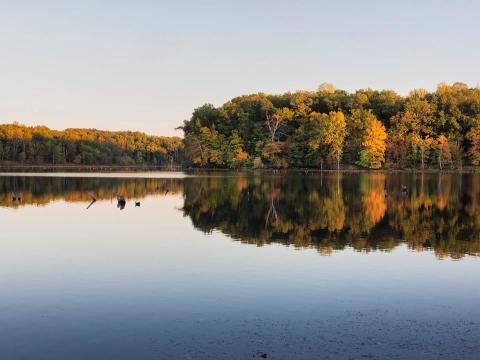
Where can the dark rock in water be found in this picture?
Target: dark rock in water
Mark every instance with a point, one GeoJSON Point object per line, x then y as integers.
{"type": "Point", "coordinates": [137, 203]}
{"type": "Point", "coordinates": [263, 355]}
{"type": "Point", "coordinates": [121, 202]}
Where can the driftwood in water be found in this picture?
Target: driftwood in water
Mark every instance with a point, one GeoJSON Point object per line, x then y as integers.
{"type": "Point", "coordinates": [93, 201]}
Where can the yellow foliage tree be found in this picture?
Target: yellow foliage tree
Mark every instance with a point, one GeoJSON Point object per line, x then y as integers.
{"type": "Point", "coordinates": [373, 153]}
{"type": "Point", "coordinates": [422, 145]}
{"type": "Point", "coordinates": [444, 153]}
{"type": "Point", "coordinates": [336, 132]}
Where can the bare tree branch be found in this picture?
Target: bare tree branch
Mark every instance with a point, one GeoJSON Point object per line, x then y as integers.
{"type": "Point", "coordinates": [273, 121]}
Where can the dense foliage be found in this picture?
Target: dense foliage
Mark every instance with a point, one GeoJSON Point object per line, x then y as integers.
{"type": "Point", "coordinates": [40, 144]}
{"type": "Point", "coordinates": [368, 128]}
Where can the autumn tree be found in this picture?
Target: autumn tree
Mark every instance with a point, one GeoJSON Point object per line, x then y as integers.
{"type": "Point", "coordinates": [335, 133]}
{"type": "Point", "coordinates": [310, 140]}
{"type": "Point", "coordinates": [443, 151]}
{"type": "Point", "coordinates": [421, 145]}
{"type": "Point", "coordinates": [39, 144]}
{"type": "Point", "coordinates": [326, 88]}
{"type": "Point", "coordinates": [373, 153]}
{"type": "Point", "coordinates": [414, 126]}
{"type": "Point", "coordinates": [357, 124]}
{"type": "Point", "coordinates": [193, 149]}
{"type": "Point", "coordinates": [236, 155]}
{"type": "Point", "coordinates": [473, 152]}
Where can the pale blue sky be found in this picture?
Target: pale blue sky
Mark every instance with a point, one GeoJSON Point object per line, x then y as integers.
{"type": "Point", "coordinates": [146, 64]}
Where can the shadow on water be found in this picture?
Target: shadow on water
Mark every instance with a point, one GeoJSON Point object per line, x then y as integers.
{"type": "Point", "coordinates": [329, 212]}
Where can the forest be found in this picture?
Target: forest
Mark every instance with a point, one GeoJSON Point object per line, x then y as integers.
{"type": "Point", "coordinates": [41, 145]}
{"type": "Point", "coordinates": [323, 129]}
{"type": "Point", "coordinates": [331, 128]}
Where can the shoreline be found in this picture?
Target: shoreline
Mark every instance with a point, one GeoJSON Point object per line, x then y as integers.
{"type": "Point", "coordinates": [6, 168]}
{"type": "Point", "coordinates": [85, 168]}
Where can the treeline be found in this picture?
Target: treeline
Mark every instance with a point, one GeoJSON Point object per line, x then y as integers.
{"type": "Point", "coordinates": [329, 127]}
{"type": "Point", "coordinates": [41, 145]}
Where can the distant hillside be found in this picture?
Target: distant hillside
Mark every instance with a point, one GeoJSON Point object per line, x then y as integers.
{"type": "Point", "coordinates": [41, 145]}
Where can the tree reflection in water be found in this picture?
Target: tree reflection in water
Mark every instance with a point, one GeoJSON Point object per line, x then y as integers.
{"type": "Point", "coordinates": [439, 211]}
{"type": "Point", "coordinates": [364, 211]}
{"type": "Point", "coordinates": [42, 190]}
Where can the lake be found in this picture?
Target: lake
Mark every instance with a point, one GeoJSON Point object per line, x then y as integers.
{"type": "Point", "coordinates": [239, 265]}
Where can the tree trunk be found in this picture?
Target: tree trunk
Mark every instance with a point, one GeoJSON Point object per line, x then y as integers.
{"type": "Point", "coordinates": [460, 158]}
{"type": "Point", "coordinates": [423, 155]}
{"type": "Point", "coordinates": [338, 162]}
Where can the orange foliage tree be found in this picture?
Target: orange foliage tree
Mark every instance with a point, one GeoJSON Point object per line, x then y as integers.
{"type": "Point", "coordinates": [373, 152]}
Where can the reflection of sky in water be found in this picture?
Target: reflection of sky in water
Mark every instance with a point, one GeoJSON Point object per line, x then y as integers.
{"type": "Point", "coordinates": [112, 283]}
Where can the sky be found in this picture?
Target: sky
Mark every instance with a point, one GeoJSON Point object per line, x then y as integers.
{"type": "Point", "coordinates": [145, 65]}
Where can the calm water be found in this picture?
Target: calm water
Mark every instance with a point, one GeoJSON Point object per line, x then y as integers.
{"type": "Point", "coordinates": [233, 266]}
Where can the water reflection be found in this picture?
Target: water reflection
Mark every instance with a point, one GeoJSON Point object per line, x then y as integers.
{"type": "Point", "coordinates": [330, 212]}
{"type": "Point", "coordinates": [363, 211]}
{"type": "Point", "coordinates": [42, 190]}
